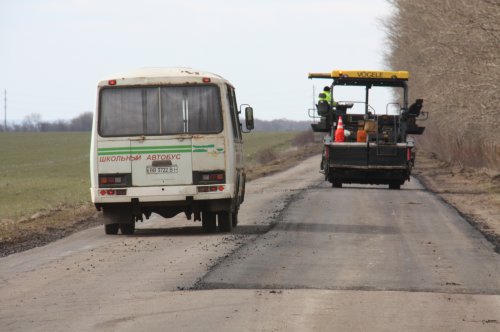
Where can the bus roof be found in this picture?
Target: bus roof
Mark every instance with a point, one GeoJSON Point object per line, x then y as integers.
{"type": "Point", "coordinates": [162, 75]}
{"type": "Point", "coordinates": [364, 74]}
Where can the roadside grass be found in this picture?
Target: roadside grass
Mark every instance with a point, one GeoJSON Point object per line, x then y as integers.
{"type": "Point", "coordinates": [268, 153]}
{"type": "Point", "coordinates": [258, 144]}
{"type": "Point", "coordinates": [44, 180]}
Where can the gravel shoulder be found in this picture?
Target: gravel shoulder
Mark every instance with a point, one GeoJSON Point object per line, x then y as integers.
{"type": "Point", "coordinates": [475, 194]}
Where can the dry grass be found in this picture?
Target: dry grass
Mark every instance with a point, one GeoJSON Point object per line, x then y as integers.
{"type": "Point", "coordinates": [284, 160]}
{"type": "Point", "coordinates": [279, 153]}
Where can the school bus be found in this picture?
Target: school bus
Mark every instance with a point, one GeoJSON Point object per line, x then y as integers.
{"type": "Point", "coordinates": [167, 141]}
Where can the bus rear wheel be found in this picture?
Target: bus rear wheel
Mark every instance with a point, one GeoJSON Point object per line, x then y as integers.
{"type": "Point", "coordinates": [128, 228]}
{"type": "Point", "coordinates": [111, 229]}
{"type": "Point", "coordinates": [112, 219]}
{"type": "Point", "coordinates": [336, 184]}
{"type": "Point", "coordinates": [394, 186]}
{"type": "Point", "coordinates": [225, 221]}
{"type": "Point", "coordinates": [235, 219]}
{"type": "Point", "coordinates": [208, 222]}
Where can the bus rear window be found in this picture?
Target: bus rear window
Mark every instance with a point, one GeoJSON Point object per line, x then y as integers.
{"type": "Point", "coordinates": [159, 110]}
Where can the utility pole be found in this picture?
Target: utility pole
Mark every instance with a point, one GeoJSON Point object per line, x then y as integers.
{"type": "Point", "coordinates": [5, 109]}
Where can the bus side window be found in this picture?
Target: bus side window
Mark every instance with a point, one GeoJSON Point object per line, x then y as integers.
{"type": "Point", "coordinates": [233, 109]}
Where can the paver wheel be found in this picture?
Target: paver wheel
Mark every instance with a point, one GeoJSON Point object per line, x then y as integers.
{"type": "Point", "coordinates": [326, 168]}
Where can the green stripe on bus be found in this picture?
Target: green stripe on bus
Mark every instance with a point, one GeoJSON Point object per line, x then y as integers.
{"type": "Point", "coordinates": [119, 148]}
{"type": "Point", "coordinates": [145, 147]}
{"type": "Point", "coordinates": [162, 147]}
{"type": "Point", "coordinates": [142, 149]}
{"type": "Point", "coordinates": [155, 149]}
{"type": "Point", "coordinates": [204, 146]}
{"type": "Point", "coordinates": [110, 153]}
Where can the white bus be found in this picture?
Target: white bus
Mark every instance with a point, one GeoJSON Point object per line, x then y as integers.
{"type": "Point", "coordinates": [166, 141]}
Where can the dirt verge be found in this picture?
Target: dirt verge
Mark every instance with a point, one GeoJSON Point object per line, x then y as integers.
{"type": "Point", "coordinates": [474, 193]}
{"type": "Point", "coordinates": [45, 227]}
{"type": "Point", "coordinates": [283, 161]}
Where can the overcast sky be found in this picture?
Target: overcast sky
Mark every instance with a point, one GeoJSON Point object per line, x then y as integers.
{"type": "Point", "coordinates": [53, 52]}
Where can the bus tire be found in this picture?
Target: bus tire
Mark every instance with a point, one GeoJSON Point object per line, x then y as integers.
{"type": "Point", "coordinates": [242, 198]}
{"type": "Point", "coordinates": [336, 184]}
{"type": "Point", "coordinates": [128, 228]}
{"type": "Point", "coordinates": [394, 186]}
{"type": "Point", "coordinates": [209, 222]}
{"type": "Point", "coordinates": [235, 218]}
{"type": "Point", "coordinates": [111, 229]}
{"type": "Point", "coordinates": [225, 221]}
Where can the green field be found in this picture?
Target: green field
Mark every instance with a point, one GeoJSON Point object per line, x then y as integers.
{"type": "Point", "coordinates": [41, 172]}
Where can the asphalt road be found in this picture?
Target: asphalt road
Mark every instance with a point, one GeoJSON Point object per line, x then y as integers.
{"type": "Point", "coordinates": [306, 257]}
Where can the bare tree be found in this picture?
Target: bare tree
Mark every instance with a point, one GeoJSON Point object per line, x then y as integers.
{"type": "Point", "coordinates": [32, 122]}
{"type": "Point", "coordinates": [451, 49]}
{"type": "Point", "coordinates": [83, 122]}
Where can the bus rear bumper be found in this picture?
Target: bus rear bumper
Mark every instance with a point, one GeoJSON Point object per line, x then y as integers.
{"type": "Point", "coordinates": [162, 194]}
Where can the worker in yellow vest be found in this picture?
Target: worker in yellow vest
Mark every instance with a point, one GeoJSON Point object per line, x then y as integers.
{"type": "Point", "coordinates": [326, 96]}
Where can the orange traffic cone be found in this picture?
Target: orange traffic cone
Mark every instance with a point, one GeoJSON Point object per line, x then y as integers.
{"type": "Point", "coordinates": [339, 132]}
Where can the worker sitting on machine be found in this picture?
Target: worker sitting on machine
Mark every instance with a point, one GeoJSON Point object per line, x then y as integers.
{"type": "Point", "coordinates": [325, 110]}
{"type": "Point", "coordinates": [325, 102]}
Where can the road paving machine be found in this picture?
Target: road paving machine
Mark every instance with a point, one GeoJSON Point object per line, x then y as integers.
{"type": "Point", "coordinates": [367, 138]}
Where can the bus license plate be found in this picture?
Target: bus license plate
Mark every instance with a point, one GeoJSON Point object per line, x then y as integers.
{"type": "Point", "coordinates": [161, 169]}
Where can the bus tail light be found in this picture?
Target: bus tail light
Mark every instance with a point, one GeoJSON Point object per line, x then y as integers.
{"type": "Point", "coordinates": [207, 189]}
{"type": "Point", "coordinates": [114, 180]}
{"type": "Point", "coordinates": [112, 192]}
{"type": "Point", "coordinates": [213, 177]}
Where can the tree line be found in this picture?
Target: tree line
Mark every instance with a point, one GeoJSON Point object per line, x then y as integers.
{"type": "Point", "coordinates": [34, 123]}
{"type": "Point", "coordinates": [281, 125]}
